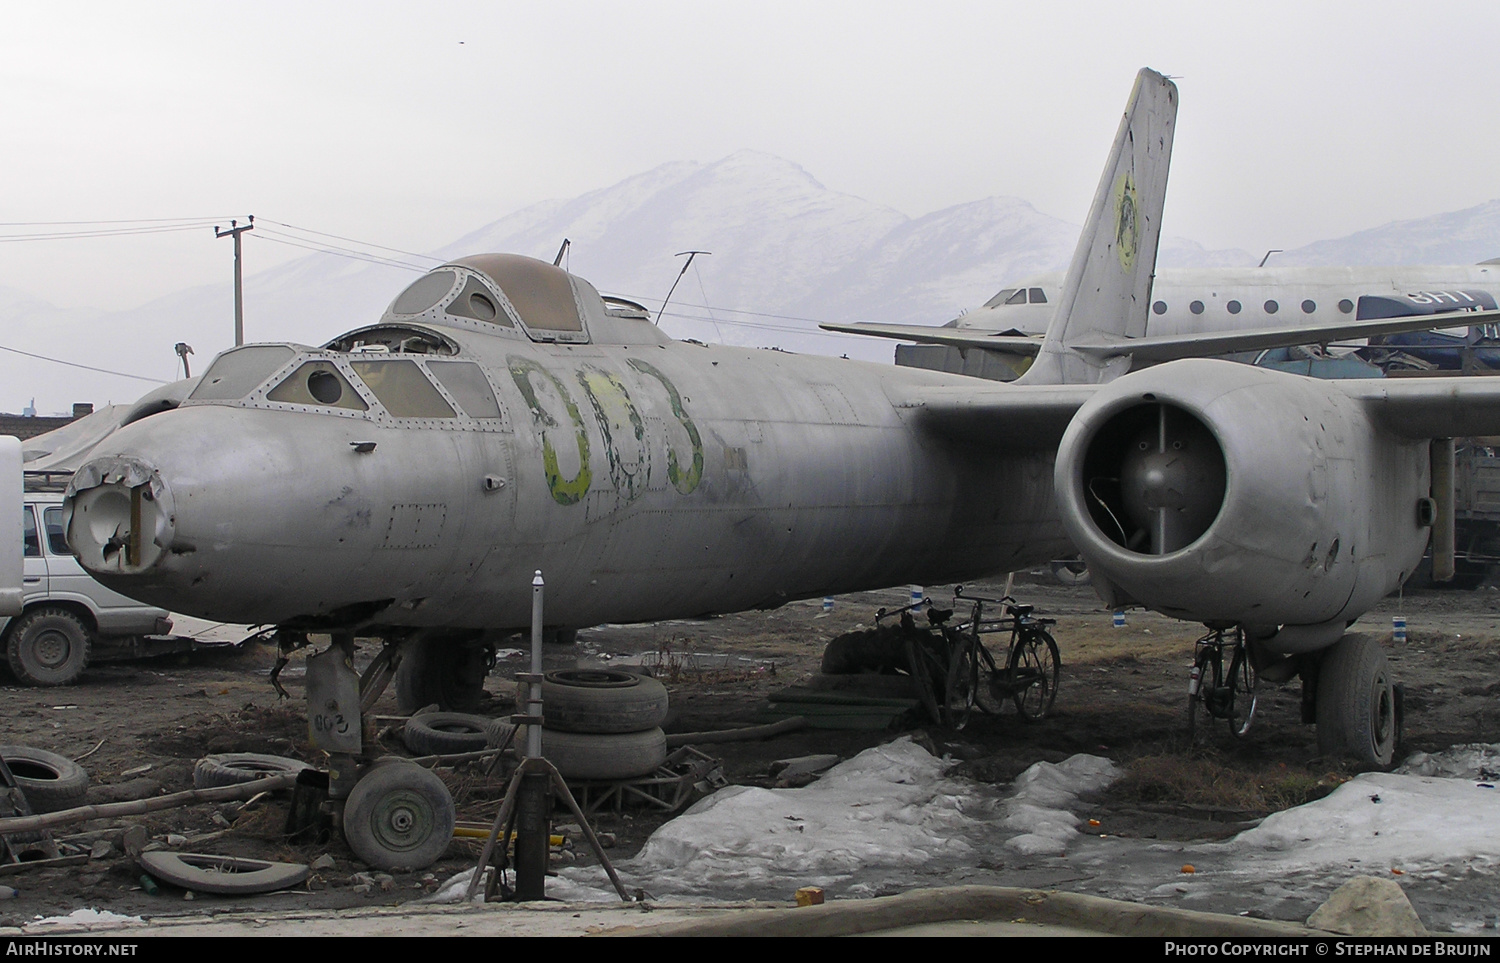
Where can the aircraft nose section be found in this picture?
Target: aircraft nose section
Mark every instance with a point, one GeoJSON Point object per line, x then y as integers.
{"type": "Point", "coordinates": [120, 515]}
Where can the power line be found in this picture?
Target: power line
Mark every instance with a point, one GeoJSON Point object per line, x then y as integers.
{"type": "Point", "coordinates": [351, 240]}
{"type": "Point", "coordinates": [128, 220]}
{"type": "Point", "coordinates": [104, 232]}
{"type": "Point", "coordinates": [323, 249]}
{"type": "Point", "coordinates": [74, 364]}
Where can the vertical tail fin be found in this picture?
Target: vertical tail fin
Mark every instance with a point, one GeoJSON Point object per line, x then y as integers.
{"type": "Point", "coordinates": [1108, 287]}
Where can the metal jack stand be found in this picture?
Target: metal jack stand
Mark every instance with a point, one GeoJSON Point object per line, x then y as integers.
{"type": "Point", "coordinates": [526, 798]}
{"type": "Point", "coordinates": [532, 768]}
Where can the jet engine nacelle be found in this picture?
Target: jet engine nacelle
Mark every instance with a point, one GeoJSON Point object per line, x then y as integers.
{"type": "Point", "coordinates": [1219, 492]}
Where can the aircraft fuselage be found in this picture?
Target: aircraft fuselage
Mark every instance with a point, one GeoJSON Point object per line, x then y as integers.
{"type": "Point", "coordinates": [649, 480]}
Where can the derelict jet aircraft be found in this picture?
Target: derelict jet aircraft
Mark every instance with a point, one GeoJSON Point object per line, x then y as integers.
{"type": "Point", "coordinates": [406, 479]}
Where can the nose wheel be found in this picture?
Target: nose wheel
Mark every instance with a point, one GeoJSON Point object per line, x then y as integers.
{"type": "Point", "coordinates": [399, 817]}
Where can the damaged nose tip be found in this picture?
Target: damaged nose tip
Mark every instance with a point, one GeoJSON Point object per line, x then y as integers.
{"type": "Point", "coordinates": [118, 515]}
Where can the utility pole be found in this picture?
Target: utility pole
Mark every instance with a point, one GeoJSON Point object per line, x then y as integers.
{"type": "Point", "coordinates": [239, 295]}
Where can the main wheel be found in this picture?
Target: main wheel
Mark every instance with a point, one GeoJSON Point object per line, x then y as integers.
{"type": "Point", "coordinates": [1356, 705]}
{"type": "Point", "coordinates": [1034, 669]}
{"type": "Point", "coordinates": [1242, 683]}
{"type": "Point", "coordinates": [399, 817]}
{"type": "Point", "coordinates": [447, 673]}
{"type": "Point", "coordinates": [961, 688]}
{"type": "Point", "coordinates": [48, 646]}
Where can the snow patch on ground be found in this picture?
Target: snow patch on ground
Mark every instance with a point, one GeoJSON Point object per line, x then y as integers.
{"type": "Point", "coordinates": [886, 820]}
{"type": "Point", "coordinates": [88, 919]}
{"type": "Point", "coordinates": [1040, 811]}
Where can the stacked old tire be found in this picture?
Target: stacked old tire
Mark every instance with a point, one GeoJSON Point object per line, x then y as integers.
{"type": "Point", "coordinates": [601, 724]}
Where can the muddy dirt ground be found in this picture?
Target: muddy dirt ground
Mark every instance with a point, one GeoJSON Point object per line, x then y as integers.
{"type": "Point", "coordinates": [139, 728]}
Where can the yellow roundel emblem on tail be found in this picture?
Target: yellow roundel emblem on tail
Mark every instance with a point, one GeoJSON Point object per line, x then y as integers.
{"type": "Point", "coordinates": [1127, 223]}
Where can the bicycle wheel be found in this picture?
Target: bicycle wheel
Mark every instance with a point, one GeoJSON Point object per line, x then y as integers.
{"type": "Point", "coordinates": [1242, 695]}
{"type": "Point", "coordinates": [1034, 669]}
{"type": "Point", "coordinates": [1207, 666]}
{"type": "Point", "coordinates": [963, 680]}
{"type": "Point", "coordinates": [921, 677]}
{"type": "Point", "coordinates": [990, 690]}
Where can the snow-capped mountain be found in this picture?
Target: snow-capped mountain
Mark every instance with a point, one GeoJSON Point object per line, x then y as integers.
{"type": "Point", "coordinates": [786, 252]}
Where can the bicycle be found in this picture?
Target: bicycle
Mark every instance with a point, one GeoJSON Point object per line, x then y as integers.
{"type": "Point", "coordinates": [1230, 695]}
{"type": "Point", "coordinates": [955, 671]}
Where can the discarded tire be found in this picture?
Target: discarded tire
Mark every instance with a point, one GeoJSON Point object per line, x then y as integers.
{"type": "Point", "coordinates": [881, 649]}
{"type": "Point", "coordinates": [234, 768]}
{"type": "Point", "coordinates": [439, 733]}
{"type": "Point", "coordinates": [48, 647]}
{"type": "Point", "coordinates": [50, 782]}
{"type": "Point", "coordinates": [229, 875]}
{"type": "Point", "coordinates": [580, 755]}
{"type": "Point", "coordinates": [605, 701]}
{"type": "Point", "coordinates": [399, 817]}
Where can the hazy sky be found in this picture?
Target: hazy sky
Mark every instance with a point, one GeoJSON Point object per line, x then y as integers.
{"type": "Point", "coordinates": [408, 124]}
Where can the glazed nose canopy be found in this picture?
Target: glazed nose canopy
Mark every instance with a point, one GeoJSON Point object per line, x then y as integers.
{"type": "Point", "coordinates": [119, 515]}
{"type": "Point", "coordinates": [1156, 479]}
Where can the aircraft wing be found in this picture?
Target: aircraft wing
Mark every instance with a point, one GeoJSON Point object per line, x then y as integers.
{"type": "Point", "coordinates": [1431, 407]}
{"type": "Point", "coordinates": [994, 413]}
{"type": "Point", "coordinates": [1008, 341]}
{"type": "Point", "coordinates": [1174, 346]}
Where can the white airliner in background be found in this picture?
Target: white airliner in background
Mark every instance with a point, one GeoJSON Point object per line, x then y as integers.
{"type": "Point", "coordinates": [1202, 301]}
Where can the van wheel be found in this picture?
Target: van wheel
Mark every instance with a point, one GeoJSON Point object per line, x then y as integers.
{"type": "Point", "coordinates": [48, 646]}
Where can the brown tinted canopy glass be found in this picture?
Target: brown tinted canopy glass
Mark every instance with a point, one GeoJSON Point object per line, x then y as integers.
{"type": "Point", "coordinates": [541, 294]}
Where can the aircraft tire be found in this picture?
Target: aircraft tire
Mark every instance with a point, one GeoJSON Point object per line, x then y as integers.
{"type": "Point", "coordinates": [48, 647]}
{"type": "Point", "coordinates": [441, 733]}
{"type": "Point", "coordinates": [1356, 705]}
{"type": "Point", "coordinates": [447, 674]}
{"type": "Point", "coordinates": [625, 755]}
{"type": "Point", "coordinates": [225, 875]}
{"type": "Point", "coordinates": [399, 817]}
{"type": "Point", "coordinates": [235, 768]}
{"type": "Point", "coordinates": [51, 782]}
{"type": "Point", "coordinates": [602, 701]}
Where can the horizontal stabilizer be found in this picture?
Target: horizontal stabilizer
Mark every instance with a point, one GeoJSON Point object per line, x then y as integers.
{"type": "Point", "coordinates": [961, 338]}
{"type": "Point", "coordinates": [1174, 346]}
